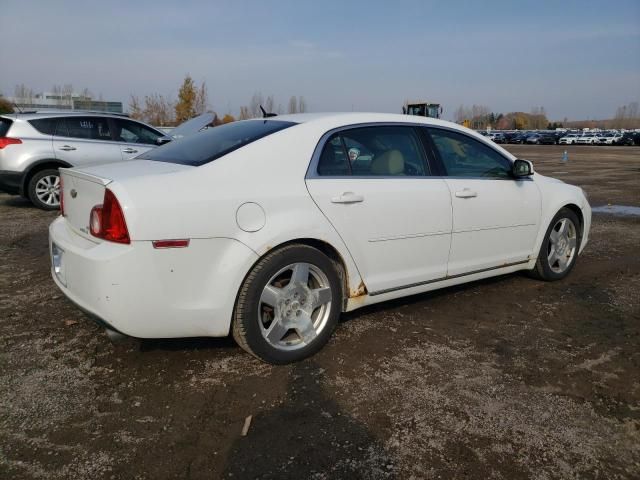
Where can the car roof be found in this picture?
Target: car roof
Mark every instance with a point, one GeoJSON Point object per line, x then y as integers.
{"type": "Point", "coordinates": [330, 120]}
{"type": "Point", "coordinates": [59, 113]}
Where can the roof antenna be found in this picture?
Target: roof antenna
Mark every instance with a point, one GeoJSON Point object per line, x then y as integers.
{"type": "Point", "coordinates": [16, 105]}
{"type": "Point", "coordinates": [266, 114]}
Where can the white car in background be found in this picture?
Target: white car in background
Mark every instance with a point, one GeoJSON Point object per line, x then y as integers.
{"type": "Point", "coordinates": [570, 139]}
{"type": "Point", "coordinates": [270, 228]}
{"type": "Point", "coordinates": [589, 138]}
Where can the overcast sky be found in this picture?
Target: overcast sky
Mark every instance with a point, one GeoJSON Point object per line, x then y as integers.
{"type": "Point", "coordinates": [579, 59]}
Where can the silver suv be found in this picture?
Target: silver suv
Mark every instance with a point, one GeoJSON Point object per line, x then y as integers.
{"type": "Point", "coordinates": [34, 145]}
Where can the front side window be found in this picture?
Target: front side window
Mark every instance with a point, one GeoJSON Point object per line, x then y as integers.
{"type": "Point", "coordinates": [463, 156]}
{"type": "Point", "coordinates": [89, 128]}
{"type": "Point", "coordinates": [374, 151]}
{"type": "Point", "coordinates": [132, 132]}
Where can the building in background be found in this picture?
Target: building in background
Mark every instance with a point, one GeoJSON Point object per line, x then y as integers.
{"type": "Point", "coordinates": [60, 101]}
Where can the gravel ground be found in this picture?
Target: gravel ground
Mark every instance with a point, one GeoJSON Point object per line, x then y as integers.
{"type": "Point", "coordinates": [505, 378]}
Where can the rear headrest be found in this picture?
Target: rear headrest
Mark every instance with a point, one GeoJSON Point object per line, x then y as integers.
{"type": "Point", "coordinates": [390, 162]}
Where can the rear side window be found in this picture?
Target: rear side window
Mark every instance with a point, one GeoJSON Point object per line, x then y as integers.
{"type": "Point", "coordinates": [5, 124]}
{"type": "Point", "coordinates": [89, 128]}
{"type": "Point", "coordinates": [132, 132]}
{"type": "Point", "coordinates": [204, 147]}
{"type": "Point", "coordinates": [374, 151]}
{"type": "Point", "coordinates": [46, 126]}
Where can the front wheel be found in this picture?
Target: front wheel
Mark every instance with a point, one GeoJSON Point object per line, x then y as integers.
{"type": "Point", "coordinates": [44, 189]}
{"type": "Point", "coordinates": [288, 305]}
{"type": "Point", "coordinates": [560, 247]}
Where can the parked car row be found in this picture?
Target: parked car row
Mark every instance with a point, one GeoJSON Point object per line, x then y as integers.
{"type": "Point", "coordinates": [564, 138]}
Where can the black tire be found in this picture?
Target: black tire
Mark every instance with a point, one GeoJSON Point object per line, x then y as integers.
{"type": "Point", "coordinates": [38, 201]}
{"type": "Point", "coordinates": [543, 270]}
{"type": "Point", "coordinates": [247, 328]}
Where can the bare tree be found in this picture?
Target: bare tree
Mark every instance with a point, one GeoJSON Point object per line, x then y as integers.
{"type": "Point", "coordinates": [244, 113]}
{"type": "Point", "coordinates": [158, 110]}
{"type": "Point", "coordinates": [86, 94]}
{"type": "Point", "coordinates": [67, 94]}
{"type": "Point", "coordinates": [201, 100]}
{"type": "Point", "coordinates": [254, 106]}
{"type": "Point", "coordinates": [57, 93]}
{"type": "Point", "coordinates": [293, 104]}
{"type": "Point", "coordinates": [23, 94]}
{"type": "Point", "coordinates": [135, 108]}
{"type": "Point", "coordinates": [268, 104]}
{"type": "Point", "coordinates": [302, 105]}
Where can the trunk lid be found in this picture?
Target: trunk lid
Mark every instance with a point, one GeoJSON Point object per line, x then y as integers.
{"type": "Point", "coordinates": [84, 188]}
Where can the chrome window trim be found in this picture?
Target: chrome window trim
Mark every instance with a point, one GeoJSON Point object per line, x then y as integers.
{"type": "Point", "coordinates": [312, 169]}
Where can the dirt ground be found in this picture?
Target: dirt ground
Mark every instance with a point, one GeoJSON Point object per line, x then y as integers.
{"type": "Point", "coordinates": [505, 378]}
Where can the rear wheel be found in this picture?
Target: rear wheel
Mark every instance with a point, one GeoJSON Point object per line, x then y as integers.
{"type": "Point", "coordinates": [560, 247]}
{"type": "Point", "coordinates": [288, 305]}
{"type": "Point", "coordinates": [44, 189]}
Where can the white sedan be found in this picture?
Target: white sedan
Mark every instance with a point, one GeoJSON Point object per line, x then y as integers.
{"type": "Point", "coordinates": [270, 228]}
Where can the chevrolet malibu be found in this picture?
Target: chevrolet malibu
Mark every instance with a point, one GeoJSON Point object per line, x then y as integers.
{"type": "Point", "coordinates": [270, 228]}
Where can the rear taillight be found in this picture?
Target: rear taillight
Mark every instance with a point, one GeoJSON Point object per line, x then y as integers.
{"type": "Point", "coordinates": [4, 141]}
{"type": "Point", "coordinates": [61, 196]}
{"type": "Point", "coordinates": [107, 220]}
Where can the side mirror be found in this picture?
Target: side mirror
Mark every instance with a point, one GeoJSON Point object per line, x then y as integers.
{"type": "Point", "coordinates": [522, 168]}
{"type": "Point", "coordinates": [163, 140]}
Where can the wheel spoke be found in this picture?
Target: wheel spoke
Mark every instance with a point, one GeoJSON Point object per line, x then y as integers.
{"type": "Point", "coordinates": [562, 262]}
{"type": "Point", "coordinates": [304, 328]}
{"type": "Point", "coordinates": [320, 297]}
{"type": "Point", "coordinates": [554, 236]}
{"type": "Point", "coordinates": [56, 182]}
{"type": "Point", "coordinates": [564, 225]}
{"type": "Point", "coordinates": [552, 257]}
{"type": "Point", "coordinates": [276, 330]}
{"type": "Point", "coordinates": [572, 243]}
{"type": "Point", "coordinates": [300, 273]}
{"type": "Point", "coordinates": [271, 295]}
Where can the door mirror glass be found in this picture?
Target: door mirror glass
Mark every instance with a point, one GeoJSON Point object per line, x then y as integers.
{"type": "Point", "coordinates": [163, 140]}
{"type": "Point", "coordinates": [522, 168]}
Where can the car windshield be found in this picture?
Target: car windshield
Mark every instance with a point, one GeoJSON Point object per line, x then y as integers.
{"type": "Point", "coordinates": [206, 146]}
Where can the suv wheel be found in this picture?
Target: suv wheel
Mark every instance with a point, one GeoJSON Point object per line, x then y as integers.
{"type": "Point", "coordinates": [44, 189]}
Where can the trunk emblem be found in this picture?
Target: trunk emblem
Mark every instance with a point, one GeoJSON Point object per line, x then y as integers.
{"type": "Point", "coordinates": [73, 192]}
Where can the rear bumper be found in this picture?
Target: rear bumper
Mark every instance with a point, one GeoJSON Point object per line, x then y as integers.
{"type": "Point", "coordinates": [11, 182]}
{"type": "Point", "coordinates": [150, 293]}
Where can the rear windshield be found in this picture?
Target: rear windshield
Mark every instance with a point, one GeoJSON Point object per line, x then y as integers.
{"type": "Point", "coordinates": [5, 123]}
{"type": "Point", "coordinates": [206, 146]}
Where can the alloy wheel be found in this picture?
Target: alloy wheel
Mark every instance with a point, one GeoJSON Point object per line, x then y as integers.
{"type": "Point", "coordinates": [295, 306]}
{"type": "Point", "coordinates": [562, 245]}
{"type": "Point", "coordinates": [48, 190]}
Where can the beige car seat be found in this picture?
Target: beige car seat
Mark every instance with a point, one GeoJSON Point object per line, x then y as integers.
{"type": "Point", "coordinates": [390, 162]}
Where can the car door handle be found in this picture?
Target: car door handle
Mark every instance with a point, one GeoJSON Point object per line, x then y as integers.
{"type": "Point", "coordinates": [67, 148]}
{"type": "Point", "coordinates": [466, 193]}
{"type": "Point", "coordinates": [347, 197]}
{"type": "Point", "coordinates": [129, 150]}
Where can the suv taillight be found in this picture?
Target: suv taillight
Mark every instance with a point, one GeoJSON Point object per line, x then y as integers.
{"type": "Point", "coordinates": [107, 220]}
{"type": "Point", "coordinates": [4, 141]}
